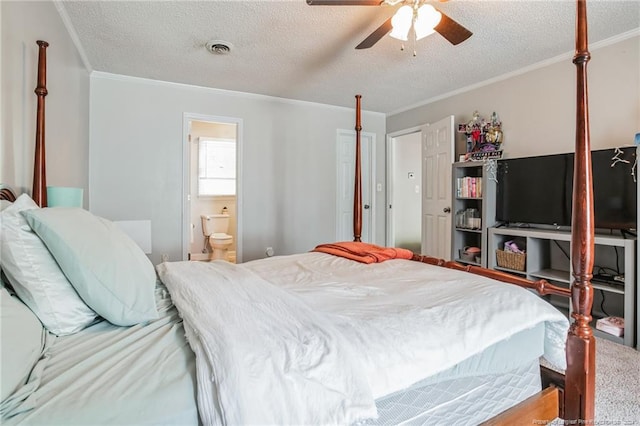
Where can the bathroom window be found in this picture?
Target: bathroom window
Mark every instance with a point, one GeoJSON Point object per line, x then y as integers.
{"type": "Point", "coordinates": [216, 167]}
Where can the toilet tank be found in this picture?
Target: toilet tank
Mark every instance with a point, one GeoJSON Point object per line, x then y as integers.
{"type": "Point", "coordinates": [215, 223]}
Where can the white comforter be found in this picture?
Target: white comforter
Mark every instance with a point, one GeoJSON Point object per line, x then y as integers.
{"type": "Point", "coordinates": [402, 321]}
{"type": "Point", "coordinates": [262, 355]}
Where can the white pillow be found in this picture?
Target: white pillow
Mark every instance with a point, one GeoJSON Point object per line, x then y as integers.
{"type": "Point", "coordinates": [106, 267]}
{"type": "Point", "coordinates": [36, 277]}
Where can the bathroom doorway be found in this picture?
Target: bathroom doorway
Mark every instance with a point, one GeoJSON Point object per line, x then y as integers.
{"type": "Point", "coordinates": [211, 186]}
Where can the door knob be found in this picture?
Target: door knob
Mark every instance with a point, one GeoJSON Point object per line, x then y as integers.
{"type": "Point", "coordinates": [446, 210]}
{"type": "Point", "coordinates": [366, 206]}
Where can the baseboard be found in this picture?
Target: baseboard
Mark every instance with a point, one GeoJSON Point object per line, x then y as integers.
{"type": "Point", "coordinates": [200, 256]}
{"type": "Point", "coordinates": [206, 257]}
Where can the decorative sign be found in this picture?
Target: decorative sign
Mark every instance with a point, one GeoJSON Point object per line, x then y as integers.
{"type": "Point", "coordinates": [485, 155]}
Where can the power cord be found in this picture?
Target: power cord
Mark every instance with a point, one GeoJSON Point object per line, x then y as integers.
{"type": "Point", "coordinates": [617, 260]}
{"type": "Point", "coordinates": [602, 303]}
{"type": "Point", "coordinates": [562, 249]}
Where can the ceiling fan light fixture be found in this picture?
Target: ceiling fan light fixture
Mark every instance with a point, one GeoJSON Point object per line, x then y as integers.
{"type": "Point", "coordinates": [427, 19]}
{"type": "Point", "coordinates": [401, 23]}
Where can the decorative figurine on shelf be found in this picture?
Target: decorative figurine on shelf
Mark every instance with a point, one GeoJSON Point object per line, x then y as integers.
{"type": "Point", "coordinates": [483, 137]}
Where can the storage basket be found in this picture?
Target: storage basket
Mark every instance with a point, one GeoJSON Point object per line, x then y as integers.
{"type": "Point", "coordinates": [511, 260]}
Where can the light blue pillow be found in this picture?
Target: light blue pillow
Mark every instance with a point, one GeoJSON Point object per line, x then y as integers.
{"type": "Point", "coordinates": [108, 270]}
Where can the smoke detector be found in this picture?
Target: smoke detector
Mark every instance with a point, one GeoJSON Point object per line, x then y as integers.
{"type": "Point", "coordinates": [219, 47]}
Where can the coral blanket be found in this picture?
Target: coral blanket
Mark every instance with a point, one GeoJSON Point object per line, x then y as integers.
{"type": "Point", "coordinates": [364, 252]}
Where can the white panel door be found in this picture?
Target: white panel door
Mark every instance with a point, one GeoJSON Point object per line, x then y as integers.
{"type": "Point", "coordinates": [346, 149]}
{"type": "Point", "coordinates": [437, 152]}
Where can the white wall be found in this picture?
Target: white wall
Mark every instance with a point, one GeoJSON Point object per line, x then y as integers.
{"type": "Point", "coordinates": [66, 106]}
{"type": "Point", "coordinates": [288, 162]}
{"type": "Point", "coordinates": [537, 108]}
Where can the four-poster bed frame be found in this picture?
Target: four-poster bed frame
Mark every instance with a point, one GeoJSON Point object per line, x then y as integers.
{"type": "Point", "coordinates": [570, 396]}
{"type": "Point", "coordinates": [39, 193]}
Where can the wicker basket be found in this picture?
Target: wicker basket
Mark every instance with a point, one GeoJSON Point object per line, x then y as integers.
{"type": "Point", "coordinates": [511, 260]}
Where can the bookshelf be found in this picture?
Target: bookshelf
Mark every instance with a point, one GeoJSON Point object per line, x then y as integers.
{"type": "Point", "coordinates": [474, 200]}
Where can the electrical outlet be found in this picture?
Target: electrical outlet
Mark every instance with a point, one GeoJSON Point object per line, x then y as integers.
{"type": "Point", "coordinates": [165, 257]}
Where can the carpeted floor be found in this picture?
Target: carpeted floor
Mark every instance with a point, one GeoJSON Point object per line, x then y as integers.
{"type": "Point", "coordinates": [617, 384]}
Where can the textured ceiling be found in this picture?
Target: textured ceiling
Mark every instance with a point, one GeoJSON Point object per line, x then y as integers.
{"type": "Point", "coordinates": [291, 50]}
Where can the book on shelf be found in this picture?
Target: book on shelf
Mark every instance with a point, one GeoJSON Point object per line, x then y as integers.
{"type": "Point", "coordinates": [611, 325]}
{"type": "Point", "coordinates": [469, 187]}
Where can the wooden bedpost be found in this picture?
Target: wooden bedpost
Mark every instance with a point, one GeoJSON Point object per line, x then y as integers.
{"type": "Point", "coordinates": [357, 192]}
{"type": "Point", "coordinates": [39, 193]}
{"type": "Point", "coordinates": [580, 374]}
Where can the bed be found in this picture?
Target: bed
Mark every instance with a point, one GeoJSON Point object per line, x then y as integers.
{"type": "Point", "coordinates": [94, 334]}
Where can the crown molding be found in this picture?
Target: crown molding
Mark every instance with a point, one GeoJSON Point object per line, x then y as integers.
{"type": "Point", "coordinates": [225, 92]}
{"type": "Point", "coordinates": [72, 33]}
{"type": "Point", "coordinates": [560, 58]}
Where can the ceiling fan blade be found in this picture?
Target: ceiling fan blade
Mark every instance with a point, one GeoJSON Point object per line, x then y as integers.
{"type": "Point", "coordinates": [451, 30]}
{"type": "Point", "coordinates": [375, 36]}
{"type": "Point", "coordinates": [344, 2]}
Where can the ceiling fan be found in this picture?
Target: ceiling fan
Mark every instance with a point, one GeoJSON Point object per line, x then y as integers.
{"type": "Point", "coordinates": [424, 18]}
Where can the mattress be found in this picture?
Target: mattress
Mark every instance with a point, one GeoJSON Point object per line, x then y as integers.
{"type": "Point", "coordinates": [144, 374]}
{"type": "Point", "coordinates": [472, 391]}
{"type": "Point", "coordinates": [519, 350]}
{"type": "Point", "coordinates": [156, 383]}
{"type": "Point", "coordinates": [462, 401]}
{"type": "Point", "coordinates": [441, 316]}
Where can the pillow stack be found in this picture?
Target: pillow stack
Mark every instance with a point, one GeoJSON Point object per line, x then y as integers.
{"type": "Point", "coordinates": [36, 277]}
{"type": "Point", "coordinates": [69, 266]}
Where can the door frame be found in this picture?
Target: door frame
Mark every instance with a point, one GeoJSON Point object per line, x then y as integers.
{"type": "Point", "coordinates": [390, 228]}
{"type": "Point", "coordinates": [187, 117]}
{"type": "Point", "coordinates": [372, 183]}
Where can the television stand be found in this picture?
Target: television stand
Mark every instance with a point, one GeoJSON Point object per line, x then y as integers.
{"type": "Point", "coordinates": [547, 257]}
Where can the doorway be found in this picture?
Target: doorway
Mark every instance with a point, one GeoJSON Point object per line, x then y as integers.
{"type": "Point", "coordinates": [419, 188]}
{"type": "Point", "coordinates": [404, 193]}
{"type": "Point", "coordinates": [211, 183]}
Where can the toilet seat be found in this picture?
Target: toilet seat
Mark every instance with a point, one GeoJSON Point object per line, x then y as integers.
{"type": "Point", "coordinates": [220, 236]}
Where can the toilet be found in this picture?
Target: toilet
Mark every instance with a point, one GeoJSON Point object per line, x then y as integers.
{"type": "Point", "coordinates": [214, 228]}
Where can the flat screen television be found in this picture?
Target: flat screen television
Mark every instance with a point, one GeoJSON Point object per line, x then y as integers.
{"type": "Point", "coordinates": [538, 190]}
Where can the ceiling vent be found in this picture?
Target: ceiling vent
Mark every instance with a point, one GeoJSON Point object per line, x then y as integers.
{"type": "Point", "coordinates": [219, 47]}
